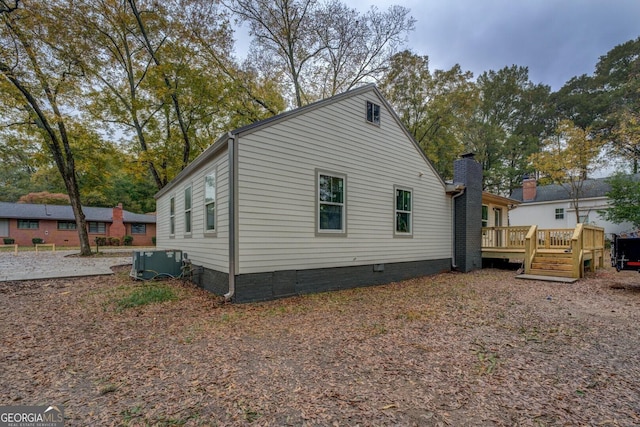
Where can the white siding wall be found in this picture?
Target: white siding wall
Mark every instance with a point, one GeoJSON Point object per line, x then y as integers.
{"type": "Point", "coordinates": [203, 250]}
{"type": "Point", "coordinates": [543, 215]}
{"type": "Point", "coordinates": [277, 202]}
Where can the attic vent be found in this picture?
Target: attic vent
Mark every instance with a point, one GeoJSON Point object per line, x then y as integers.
{"type": "Point", "coordinates": [373, 113]}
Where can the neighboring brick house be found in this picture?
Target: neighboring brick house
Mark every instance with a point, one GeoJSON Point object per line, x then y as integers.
{"type": "Point", "coordinates": [56, 224]}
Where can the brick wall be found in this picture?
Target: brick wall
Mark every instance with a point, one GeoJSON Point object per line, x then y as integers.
{"type": "Point", "coordinates": [48, 231]}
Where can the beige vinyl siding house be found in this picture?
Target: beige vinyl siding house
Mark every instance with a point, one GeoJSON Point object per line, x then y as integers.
{"type": "Point", "coordinates": [329, 196]}
{"type": "Point", "coordinates": [207, 248]}
{"type": "Point", "coordinates": [277, 178]}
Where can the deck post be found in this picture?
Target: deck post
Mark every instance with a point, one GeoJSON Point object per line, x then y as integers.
{"type": "Point", "coordinates": [530, 247]}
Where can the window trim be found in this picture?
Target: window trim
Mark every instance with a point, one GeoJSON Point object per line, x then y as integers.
{"type": "Point", "coordinates": [188, 212]}
{"type": "Point", "coordinates": [214, 231]}
{"type": "Point", "coordinates": [559, 212]}
{"type": "Point", "coordinates": [172, 215]}
{"type": "Point", "coordinates": [97, 226]}
{"type": "Point", "coordinates": [374, 120]}
{"type": "Point", "coordinates": [330, 233]}
{"type": "Point", "coordinates": [397, 233]}
{"type": "Point", "coordinates": [138, 224]}
{"type": "Point", "coordinates": [67, 223]}
{"type": "Point", "coordinates": [30, 222]}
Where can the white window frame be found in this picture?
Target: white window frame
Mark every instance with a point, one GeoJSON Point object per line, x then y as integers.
{"type": "Point", "coordinates": [211, 201]}
{"type": "Point", "coordinates": [188, 216]}
{"type": "Point", "coordinates": [397, 211]}
{"type": "Point", "coordinates": [172, 215]}
{"type": "Point", "coordinates": [319, 203]}
{"type": "Point", "coordinates": [559, 213]}
{"type": "Point", "coordinates": [372, 113]}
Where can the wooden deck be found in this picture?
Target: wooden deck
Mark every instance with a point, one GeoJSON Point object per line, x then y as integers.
{"type": "Point", "coordinates": [547, 252]}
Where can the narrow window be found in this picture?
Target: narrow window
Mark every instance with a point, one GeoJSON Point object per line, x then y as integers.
{"type": "Point", "coordinates": [138, 228]}
{"type": "Point", "coordinates": [172, 216]}
{"type": "Point", "coordinates": [373, 113]}
{"type": "Point", "coordinates": [403, 211]}
{"type": "Point", "coordinates": [66, 225]}
{"type": "Point", "coordinates": [210, 202]}
{"type": "Point", "coordinates": [331, 203]}
{"type": "Point", "coordinates": [560, 213]}
{"type": "Point", "coordinates": [485, 215]}
{"type": "Point", "coordinates": [187, 210]}
{"type": "Point", "coordinates": [29, 224]}
{"type": "Point", "coordinates": [97, 227]}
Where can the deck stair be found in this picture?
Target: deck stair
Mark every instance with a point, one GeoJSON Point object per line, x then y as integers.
{"type": "Point", "coordinates": [556, 263]}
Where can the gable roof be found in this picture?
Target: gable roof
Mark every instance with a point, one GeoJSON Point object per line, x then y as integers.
{"type": "Point", "coordinates": [65, 213]}
{"type": "Point", "coordinates": [592, 188]}
{"type": "Point", "coordinates": [221, 142]}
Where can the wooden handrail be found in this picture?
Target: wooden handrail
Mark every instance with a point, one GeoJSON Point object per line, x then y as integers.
{"type": "Point", "coordinates": [584, 242]}
{"type": "Point", "coordinates": [530, 247]}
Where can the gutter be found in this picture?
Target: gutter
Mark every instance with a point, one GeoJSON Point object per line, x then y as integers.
{"type": "Point", "coordinates": [233, 178]}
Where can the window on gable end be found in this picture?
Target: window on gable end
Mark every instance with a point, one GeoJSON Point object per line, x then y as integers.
{"type": "Point", "coordinates": [373, 113]}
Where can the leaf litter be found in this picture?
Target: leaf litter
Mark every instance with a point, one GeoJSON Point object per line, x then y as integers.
{"type": "Point", "coordinates": [453, 349]}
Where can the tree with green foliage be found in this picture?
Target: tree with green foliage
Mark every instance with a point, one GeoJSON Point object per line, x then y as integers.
{"type": "Point", "coordinates": [624, 200]}
{"type": "Point", "coordinates": [434, 107]}
{"type": "Point", "coordinates": [618, 80]}
{"type": "Point", "coordinates": [569, 157]}
{"type": "Point", "coordinates": [41, 81]}
{"type": "Point", "coordinates": [511, 119]}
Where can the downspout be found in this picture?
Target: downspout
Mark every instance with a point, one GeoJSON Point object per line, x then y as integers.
{"type": "Point", "coordinates": [453, 228]}
{"type": "Point", "coordinates": [231, 149]}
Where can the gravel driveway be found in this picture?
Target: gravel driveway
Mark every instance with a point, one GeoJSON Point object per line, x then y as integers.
{"type": "Point", "coordinates": [59, 264]}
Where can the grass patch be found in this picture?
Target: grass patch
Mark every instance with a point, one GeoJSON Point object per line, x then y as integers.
{"type": "Point", "coordinates": [147, 294]}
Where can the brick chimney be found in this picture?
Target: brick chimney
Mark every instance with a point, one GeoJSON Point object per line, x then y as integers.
{"type": "Point", "coordinates": [468, 214]}
{"type": "Point", "coordinates": [117, 228]}
{"type": "Point", "coordinates": [529, 186]}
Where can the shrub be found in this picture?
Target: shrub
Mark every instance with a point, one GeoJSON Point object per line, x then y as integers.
{"type": "Point", "coordinates": [8, 241]}
{"type": "Point", "coordinates": [127, 240]}
{"type": "Point", "coordinates": [114, 241]}
{"type": "Point", "coordinates": [101, 241]}
{"type": "Point", "coordinates": [37, 240]}
{"type": "Point", "coordinates": [153, 240]}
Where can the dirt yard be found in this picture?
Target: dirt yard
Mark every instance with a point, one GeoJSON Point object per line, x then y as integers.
{"type": "Point", "coordinates": [478, 349]}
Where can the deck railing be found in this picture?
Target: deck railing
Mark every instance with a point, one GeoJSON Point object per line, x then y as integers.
{"type": "Point", "coordinates": [585, 242]}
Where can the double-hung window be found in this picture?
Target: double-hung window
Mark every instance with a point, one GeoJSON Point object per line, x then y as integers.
{"type": "Point", "coordinates": [210, 202]}
{"type": "Point", "coordinates": [560, 213]}
{"type": "Point", "coordinates": [331, 203]}
{"type": "Point", "coordinates": [187, 210]}
{"type": "Point", "coordinates": [403, 209]}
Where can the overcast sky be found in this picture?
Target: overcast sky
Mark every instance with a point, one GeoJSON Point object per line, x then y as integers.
{"type": "Point", "coordinates": [555, 39]}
